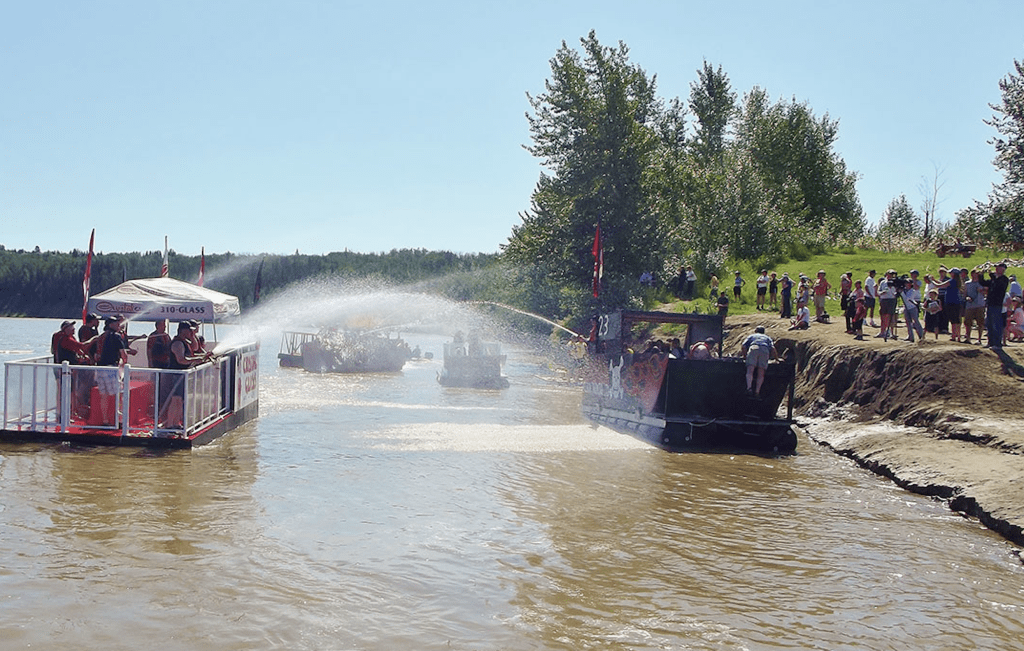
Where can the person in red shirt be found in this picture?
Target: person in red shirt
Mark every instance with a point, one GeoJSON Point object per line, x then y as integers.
{"type": "Point", "coordinates": [821, 287]}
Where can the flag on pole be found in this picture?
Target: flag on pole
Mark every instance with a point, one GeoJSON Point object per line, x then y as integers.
{"type": "Point", "coordinates": [598, 262]}
{"type": "Point", "coordinates": [88, 277]}
{"type": "Point", "coordinates": [202, 265]}
{"type": "Point", "coordinates": [124, 272]}
{"type": "Point", "coordinates": [259, 284]}
{"type": "Point", "coordinates": [163, 269]}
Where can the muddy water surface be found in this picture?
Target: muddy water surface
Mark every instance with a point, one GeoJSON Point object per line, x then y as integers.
{"type": "Point", "coordinates": [387, 512]}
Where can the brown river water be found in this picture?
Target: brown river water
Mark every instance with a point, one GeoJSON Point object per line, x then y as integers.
{"type": "Point", "coordinates": [388, 512]}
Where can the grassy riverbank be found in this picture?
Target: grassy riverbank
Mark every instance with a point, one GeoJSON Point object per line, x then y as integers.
{"type": "Point", "coordinates": [858, 261]}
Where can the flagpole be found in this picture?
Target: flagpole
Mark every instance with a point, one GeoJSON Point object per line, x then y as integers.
{"type": "Point", "coordinates": [164, 268]}
{"type": "Point", "coordinates": [202, 265]}
{"type": "Point", "coordinates": [88, 278]}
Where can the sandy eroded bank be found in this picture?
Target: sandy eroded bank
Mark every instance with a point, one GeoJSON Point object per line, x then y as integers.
{"type": "Point", "coordinates": [938, 418]}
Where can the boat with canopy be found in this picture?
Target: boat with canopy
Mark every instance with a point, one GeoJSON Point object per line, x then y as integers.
{"type": "Point", "coordinates": [156, 407]}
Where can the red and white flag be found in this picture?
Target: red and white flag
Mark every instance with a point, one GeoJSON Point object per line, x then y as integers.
{"type": "Point", "coordinates": [202, 265]}
{"type": "Point", "coordinates": [598, 262]}
{"type": "Point", "coordinates": [88, 277]}
{"type": "Point", "coordinates": [163, 269]}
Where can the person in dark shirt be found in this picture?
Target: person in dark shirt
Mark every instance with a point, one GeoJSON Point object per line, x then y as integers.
{"type": "Point", "coordinates": [997, 283]}
{"type": "Point", "coordinates": [114, 353]}
{"type": "Point", "coordinates": [723, 304]}
{"type": "Point", "coordinates": [90, 329]}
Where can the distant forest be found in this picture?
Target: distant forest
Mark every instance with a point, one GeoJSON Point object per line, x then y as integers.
{"type": "Point", "coordinates": [49, 283]}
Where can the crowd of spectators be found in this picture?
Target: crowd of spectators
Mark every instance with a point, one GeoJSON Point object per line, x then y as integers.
{"type": "Point", "coordinates": [958, 303]}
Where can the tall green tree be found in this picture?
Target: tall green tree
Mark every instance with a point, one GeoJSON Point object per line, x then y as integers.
{"type": "Point", "coordinates": [1001, 217]}
{"type": "Point", "coordinates": [596, 127]}
{"type": "Point", "coordinates": [794, 152]}
{"type": "Point", "coordinates": [713, 103]}
{"type": "Point", "coordinates": [899, 219]}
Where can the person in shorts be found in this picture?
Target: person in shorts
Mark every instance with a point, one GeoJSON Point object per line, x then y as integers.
{"type": "Point", "coordinates": [737, 285]}
{"type": "Point", "coordinates": [870, 295]}
{"type": "Point", "coordinates": [762, 288]}
{"type": "Point", "coordinates": [758, 349]}
{"type": "Point", "coordinates": [887, 305]}
{"type": "Point", "coordinates": [112, 356]}
{"type": "Point", "coordinates": [974, 307]}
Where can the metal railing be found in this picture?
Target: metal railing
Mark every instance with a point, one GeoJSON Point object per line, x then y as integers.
{"type": "Point", "coordinates": [41, 396]}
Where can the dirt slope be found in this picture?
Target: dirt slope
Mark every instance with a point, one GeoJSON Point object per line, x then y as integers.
{"type": "Point", "coordinates": [939, 418]}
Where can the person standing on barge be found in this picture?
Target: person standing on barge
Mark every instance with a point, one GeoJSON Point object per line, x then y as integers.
{"type": "Point", "coordinates": [758, 350]}
{"type": "Point", "coordinates": [114, 353]}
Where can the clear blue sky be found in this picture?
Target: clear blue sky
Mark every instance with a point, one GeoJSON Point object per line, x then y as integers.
{"type": "Point", "coordinates": [252, 126]}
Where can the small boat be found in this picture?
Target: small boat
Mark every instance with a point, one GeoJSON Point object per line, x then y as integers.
{"type": "Point", "coordinates": [290, 355]}
{"type": "Point", "coordinates": [138, 405]}
{"type": "Point", "coordinates": [684, 404]}
{"type": "Point", "coordinates": [472, 364]}
{"type": "Point", "coordinates": [352, 351]}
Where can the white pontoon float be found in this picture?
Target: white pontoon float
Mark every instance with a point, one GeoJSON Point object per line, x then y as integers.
{"type": "Point", "coordinates": [44, 401]}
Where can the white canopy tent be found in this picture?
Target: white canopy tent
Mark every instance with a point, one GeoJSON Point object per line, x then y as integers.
{"type": "Point", "coordinates": [153, 299]}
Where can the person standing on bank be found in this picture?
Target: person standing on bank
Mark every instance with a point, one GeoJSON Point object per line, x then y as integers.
{"type": "Point", "coordinates": [952, 306]}
{"type": "Point", "coordinates": [974, 306]}
{"type": "Point", "coordinates": [997, 284]}
{"type": "Point", "coordinates": [887, 305]}
{"type": "Point", "coordinates": [737, 285]}
{"type": "Point", "coordinates": [758, 348]}
{"type": "Point", "coordinates": [787, 296]}
{"type": "Point", "coordinates": [912, 310]}
{"type": "Point", "coordinates": [870, 296]}
{"type": "Point", "coordinates": [762, 288]}
{"type": "Point", "coordinates": [821, 287]}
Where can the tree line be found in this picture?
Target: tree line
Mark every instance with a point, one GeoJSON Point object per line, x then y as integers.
{"type": "Point", "coordinates": [49, 283]}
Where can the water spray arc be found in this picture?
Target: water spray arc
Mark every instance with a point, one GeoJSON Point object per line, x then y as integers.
{"type": "Point", "coordinates": [525, 313]}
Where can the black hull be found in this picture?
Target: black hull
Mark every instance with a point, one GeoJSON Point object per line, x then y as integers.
{"type": "Point", "coordinates": [697, 434]}
{"type": "Point", "coordinates": [691, 405]}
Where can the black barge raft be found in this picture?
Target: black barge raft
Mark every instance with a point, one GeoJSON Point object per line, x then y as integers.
{"type": "Point", "coordinates": [681, 404]}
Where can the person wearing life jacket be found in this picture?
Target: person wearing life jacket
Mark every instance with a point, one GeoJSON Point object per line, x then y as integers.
{"type": "Point", "coordinates": [172, 390]}
{"type": "Point", "coordinates": [75, 352]}
{"type": "Point", "coordinates": [182, 355]}
{"type": "Point", "coordinates": [66, 348]}
{"type": "Point", "coordinates": [158, 346]}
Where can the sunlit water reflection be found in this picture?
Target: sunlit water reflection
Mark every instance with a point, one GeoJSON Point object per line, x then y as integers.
{"type": "Point", "coordinates": [388, 512]}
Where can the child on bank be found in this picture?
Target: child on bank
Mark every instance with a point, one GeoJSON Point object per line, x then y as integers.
{"type": "Point", "coordinates": [859, 312]}
{"type": "Point", "coordinates": [931, 313]}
